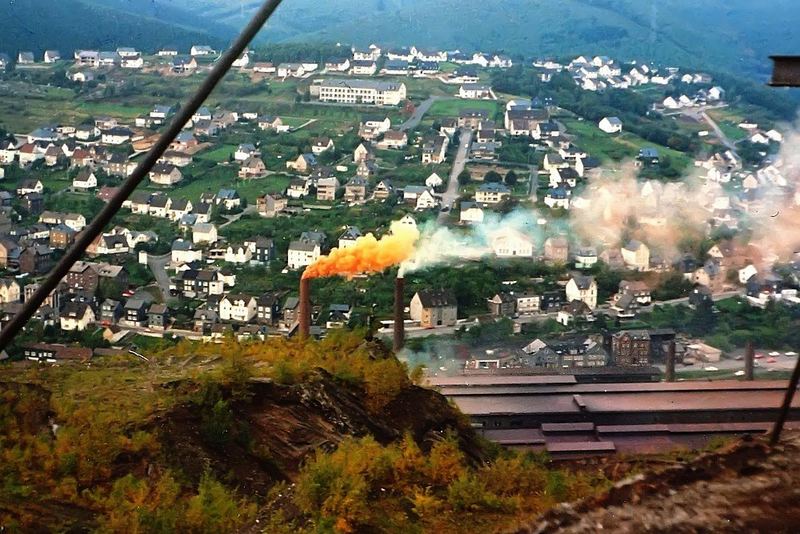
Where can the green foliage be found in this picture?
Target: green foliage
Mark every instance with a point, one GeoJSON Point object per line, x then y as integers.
{"type": "Point", "coordinates": [216, 509]}
{"type": "Point", "coordinates": [734, 323]}
{"type": "Point", "coordinates": [362, 485]}
{"type": "Point", "coordinates": [492, 177]}
{"type": "Point", "coordinates": [217, 425]}
{"type": "Point", "coordinates": [673, 286]}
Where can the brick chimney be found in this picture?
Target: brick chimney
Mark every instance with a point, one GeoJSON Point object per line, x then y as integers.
{"type": "Point", "coordinates": [749, 360]}
{"type": "Point", "coordinates": [670, 372]}
{"type": "Point", "coordinates": [304, 317]}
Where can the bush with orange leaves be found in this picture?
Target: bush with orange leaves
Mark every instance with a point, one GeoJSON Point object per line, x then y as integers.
{"type": "Point", "coordinates": [363, 486]}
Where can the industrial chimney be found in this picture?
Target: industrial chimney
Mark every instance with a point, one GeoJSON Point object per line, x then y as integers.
{"type": "Point", "coordinates": [749, 360]}
{"type": "Point", "coordinates": [670, 373]}
{"type": "Point", "coordinates": [305, 308]}
{"type": "Point", "coordinates": [399, 308]}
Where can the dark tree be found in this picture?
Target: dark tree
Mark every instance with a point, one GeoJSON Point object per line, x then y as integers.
{"type": "Point", "coordinates": [492, 176]}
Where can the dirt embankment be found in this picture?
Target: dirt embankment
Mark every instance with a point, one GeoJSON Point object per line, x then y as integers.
{"type": "Point", "coordinates": [746, 487]}
{"type": "Point", "coordinates": [278, 426]}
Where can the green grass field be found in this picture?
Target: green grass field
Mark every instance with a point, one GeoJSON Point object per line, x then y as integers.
{"type": "Point", "coordinates": [732, 130]}
{"type": "Point", "coordinates": [219, 154]}
{"type": "Point", "coordinates": [220, 177]}
{"type": "Point", "coordinates": [114, 110]}
{"type": "Point", "coordinates": [452, 107]}
{"type": "Point", "coordinates": [617, 147]}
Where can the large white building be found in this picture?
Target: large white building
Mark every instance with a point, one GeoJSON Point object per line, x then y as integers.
{"type": "Point", "coordinates": [347, 91]}
{"type": "Point", "coordinates": [509, 243]}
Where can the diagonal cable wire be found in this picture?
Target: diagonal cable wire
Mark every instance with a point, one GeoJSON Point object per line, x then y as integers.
{"type": "Point", "coordinates": [94, 229]}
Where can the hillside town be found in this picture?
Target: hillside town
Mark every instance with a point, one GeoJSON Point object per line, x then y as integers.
{"type": "Point", "coordinates": [315, 155]}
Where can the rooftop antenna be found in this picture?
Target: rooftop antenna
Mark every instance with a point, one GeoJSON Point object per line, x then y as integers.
{"type": "Point", "coordinates": [97, 225]}
{"type": "Point", "coordinates": [785, 73]}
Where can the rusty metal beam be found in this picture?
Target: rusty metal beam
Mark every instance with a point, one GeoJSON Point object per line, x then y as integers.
{"type": "Point", "coordinates": [786, 71]}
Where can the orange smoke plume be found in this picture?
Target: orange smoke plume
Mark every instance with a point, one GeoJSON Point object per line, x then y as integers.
{"type": "Point", "coordinates": [367, 255]}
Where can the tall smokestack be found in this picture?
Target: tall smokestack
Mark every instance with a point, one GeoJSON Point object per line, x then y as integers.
{"type": "Point", "coordinates": [399, 309]}
{"type": "Point", "coordinates": [670, 374]}
{"type": "Point", "coordinates": [305, 308]}
{"type": "Point", "coordinates": [749, 360]}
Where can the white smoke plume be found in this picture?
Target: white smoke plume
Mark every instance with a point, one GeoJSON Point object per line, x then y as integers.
{"type": "Point", "coordinates": [615, 208]}
{"type": "Point", "coordinates": [441, 245]}
{"type": "Point", "coordinates": [774, 216]}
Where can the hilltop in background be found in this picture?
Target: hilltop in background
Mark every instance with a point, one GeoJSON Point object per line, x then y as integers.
{"type": "Point", "coordinates": [732, 35]}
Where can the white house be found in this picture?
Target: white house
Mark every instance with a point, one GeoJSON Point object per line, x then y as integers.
{"type": "Point", "coordinates": [202, 50]}
{"type": "Point", "coordinates": [434, 180]}
{"type": "Point", "coordinates": [303, 252]}
{"type": "Point", "coordinates": [286, 70]}
{"type": "Point", "coordinates": [636, 256]}
{"type": "Point", "coordinates": [246, 151]}
{"type": "Point", "coordinates": [204, 233]}
{"type": "Point", "coordinates": [426, 200]}
{"type": "Point", "coordinates": [671, 103]}
{"type": "Point", "coordinates": [557, 198]}
{"type": "Point", "coordinates": [8, 152]}
{"type": "Point", "coordinates": [321, 144]}
{"type": "Point", "coordinates": [85, 181]}
{"type": "Point", "coordinates": [716, 93]}
{"type": "Point", "coordinates": [509, 243]}
{"type": "Point", "coordinates": [136, 62]}
{"type": "Point", "coordinates": [165, 174]}
{"type": "Point", "coordinates": [363, 67]}
{"type": "Point", "coordinates": [183, 252]}
{"type": "Point", "coordinates": [238, 254]}
{"type": "Point", "coordinates": [775, 135]}
{"type": "Point", "coordinates": [76, 221]}
{"type": "Point", "coordinates": [476, 91]}
{"type": "Point", "coordinates": [9, 291]}
{"type": "Point", "coordinates": [492, 193]}
{"type": "Point", "coordinates": [610, 125]}
{"type": "Point", "coordinates": [582, 288]}
{"type": "Point", "coordinates": [76, 316]}
{"type": "Point", "coordinates": [471, 213]}
{"type": "Point", "coordinates": [240, 308]}
{"type": "Point", "coordinates": [746, 273]}
{"type": "Point", "coordinates": [243, 60]}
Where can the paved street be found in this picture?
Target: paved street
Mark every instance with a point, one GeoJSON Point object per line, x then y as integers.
{"type": "Point", "coordinates": [719, 133]}
{"type": "Point", "coordinates": [158, 264]}
{"type": "Point", "coordinates": [421, 110]}
{"type": "Point", "coordinates": [450, 196]}
{"type": "Point", "coordinates": [602, 309]}
{"type": "Point", "coordinates": [252, 208]}
{"type": "Point", "coordinates": [533, 183]}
